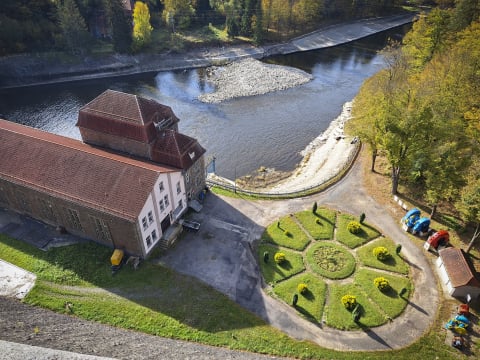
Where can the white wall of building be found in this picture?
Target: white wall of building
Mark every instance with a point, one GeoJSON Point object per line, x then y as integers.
{"type": "Point", "coordinates": [163, 202]}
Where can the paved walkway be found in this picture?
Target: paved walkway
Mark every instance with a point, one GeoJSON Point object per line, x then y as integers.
{"type": "Point", "coordinates": [221, 255]}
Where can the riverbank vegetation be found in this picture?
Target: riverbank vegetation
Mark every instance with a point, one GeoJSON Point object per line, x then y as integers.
{"type": "Point", "coordinates": [421, 114]}
{"type": "Point", "coordinates": [83, 26]}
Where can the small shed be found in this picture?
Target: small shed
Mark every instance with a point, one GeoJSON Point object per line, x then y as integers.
{"type": "Point", "coordinates": [457, 273]}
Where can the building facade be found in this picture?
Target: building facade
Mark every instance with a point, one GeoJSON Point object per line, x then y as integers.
{"type": "Point", "coordinates": [93, 188]}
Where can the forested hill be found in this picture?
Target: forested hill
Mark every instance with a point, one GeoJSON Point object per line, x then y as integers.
{"type": "Point", "coordinates": [422, 113]}
{"type": "Point", "coordinates": [124, 26]}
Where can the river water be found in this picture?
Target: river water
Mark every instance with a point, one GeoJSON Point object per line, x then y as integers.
{"type": "Point", "coordinates": [243, 134]}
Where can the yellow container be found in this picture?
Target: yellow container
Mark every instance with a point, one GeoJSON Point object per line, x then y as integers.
{"type": "Point", "coordinates": [117, 257]}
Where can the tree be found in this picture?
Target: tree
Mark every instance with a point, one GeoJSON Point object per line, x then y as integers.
{"type": "Point", "coordinates": [178, 13]}
{"type": "Point", "coordinates": [469, 204]}
{"type": "Point", "coordinates": [257, 24]}
{"type": "Point", "coordinates": [367, 114]}
{"type": "Point", "coordinates": [465, 12]}
{"type": "Point", "coordinates": [121, 26]}
{"type": "Point", "coordinates": [142, 30]}
{"type": "Point", "coordinates": [427, 37]}
{"type": "Point", "coordinates": [73, 27]}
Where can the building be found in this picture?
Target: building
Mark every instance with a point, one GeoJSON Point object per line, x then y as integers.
{"type": "Point", "coordinates": [112, 187]}
{"type": "Point", "coordinates": [144, 128]}
{"type": "Point", "coordinates": [457, 273]}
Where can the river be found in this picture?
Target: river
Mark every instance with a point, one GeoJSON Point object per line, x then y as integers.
{"type": "Point", "coordinates": [243, 134]}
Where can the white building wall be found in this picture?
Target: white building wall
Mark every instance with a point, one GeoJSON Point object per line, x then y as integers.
{"type": "Point", "coordinates": [163, 202]}
{"type": "Point", "coordinates": [149, 225]}
{"type": "Point", "coordinates": [178, 195]}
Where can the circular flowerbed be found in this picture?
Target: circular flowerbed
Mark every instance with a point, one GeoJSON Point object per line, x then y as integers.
{"type": "Point", "coordinates": [331, 260]}
{"type": "Point", "coordinates": [332, 252]}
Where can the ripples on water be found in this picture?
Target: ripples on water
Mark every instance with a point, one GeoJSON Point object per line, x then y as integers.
{"type": "Point", "coordinates": [245, 133]}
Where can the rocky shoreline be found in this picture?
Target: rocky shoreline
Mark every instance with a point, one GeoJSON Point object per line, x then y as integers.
{"type": "Point", "coordinates": [250, 77]}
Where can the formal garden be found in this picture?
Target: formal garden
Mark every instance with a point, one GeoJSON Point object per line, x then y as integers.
{"type": "Point", "coordinates": [335, 269]}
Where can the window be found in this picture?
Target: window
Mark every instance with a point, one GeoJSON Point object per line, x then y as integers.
{"type": "Point", "coordinates": [154, 235]}
{"type": "Point", "coordinates": [162, 206]}
{"type": "Point", "coordinates": [180, 204]}
{"type": "Point", "coordinates": [3, 196]}
{"type": "Point", "coordinates": [149, 241]}
{"type": "Point", "coordinates": [144, 223]}
{"type": "Point", "coordinates": [150, 217]}
{"type": "Point", "coordinates": [187, 177]}
{"type": "Point", "coordinates": [161, 187]}
{"type": "Point", "coordinates": [165, 199]}
{"type": "Point", "coordinates": [179, 188]}
{"type": "Point", "coordinates": [46, 210]}
{"type": "Point", "coordinates": [102, 230]}
{"type": "Point", "coordinates": [23, 201]}
{"type": "Point", "coordinates": [74, 219]}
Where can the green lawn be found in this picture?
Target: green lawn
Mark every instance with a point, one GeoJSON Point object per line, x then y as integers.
{"type": "Point", "coordinates": [344, 236]}
{"type": "Point", "coordinates": [394, 264]}
{"type": "Point", "coordinates": [339, 317]}
{"type": "Point", "coordinates": [273, 272]}
{"type": "Point", "coordinates": [319, 225]}
{"type": "Point", "coordinates": [286, 233]}
{"type": "Point", "coordinates": [156, 300]}
{"type": "Point", "coordinates": [389, 301]}
{"type": "Point", "coordinates": [311, 303]}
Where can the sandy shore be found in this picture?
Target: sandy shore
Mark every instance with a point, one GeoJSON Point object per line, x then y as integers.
{"type": "Point", "coordinates": [323, 158]}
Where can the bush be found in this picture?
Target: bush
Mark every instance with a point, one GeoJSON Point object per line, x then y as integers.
{"type": "Point", "coordinates": [354, 227]}
{"type": "Point", "coordinates": [362, 218]}
{"type": "Point", "coordinates": [398, 249]}
{"type": "Point", "coordinates": [349, 301]}
{"type": "Point", "coordinates": [381, 283]}
{"type": "Point", "coordinates": [294, 299]}
{"type": "Point", "coordinates": [318, 221]}
{"type": "Point", "coordinates": [287, 233]}
{"type": "Point", "coordinates": [279, 257]}
{"type": "Point", "coordinates": [314, 207]}
{"type": "Point", "coordinates": [381, 253]}
{"type": "Point", "coordinates": [302, 288]}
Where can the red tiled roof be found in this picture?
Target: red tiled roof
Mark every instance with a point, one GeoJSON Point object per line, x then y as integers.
{"type": "Point", "coordinates": [125, 115]}
{"type": "Point", "coordinates": [176, 149]}
{"type": "Point", "coordinates": [459, 269]}
{"type": "Point", "coordinates": [72, 170]}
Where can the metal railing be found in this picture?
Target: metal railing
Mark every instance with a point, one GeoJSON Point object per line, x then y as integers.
{"type": "Point", "coordinates": [293, 194]}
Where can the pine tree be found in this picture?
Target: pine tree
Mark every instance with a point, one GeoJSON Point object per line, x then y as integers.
{"type": "Point", "coordinates": [121, 26]}
{"type": "Point", "coordinates": [73, 27]}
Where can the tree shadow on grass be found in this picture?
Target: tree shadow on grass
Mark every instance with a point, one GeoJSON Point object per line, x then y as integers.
{"type": "Point", "coordinates": [307, 294]}
{"type": "Point", "coordinates": [390, 261]}
{"type": "Point", "coordinates": [306, 313]}
{"type": "Point", "coordinates": [390, 292]}
{"type": "Point", "coordinates": [319, 216]}
{"type": "Point", "coordinates": [286, 265]}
